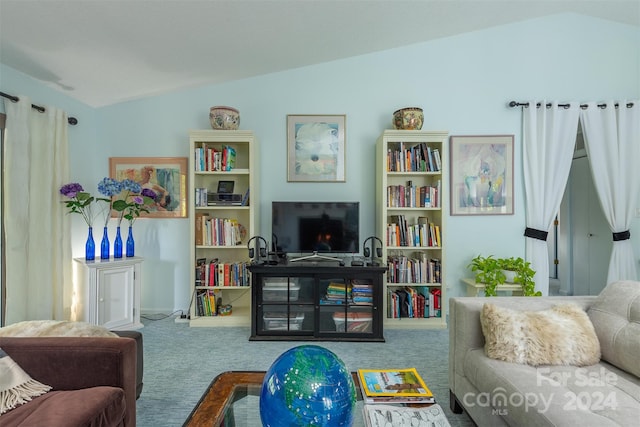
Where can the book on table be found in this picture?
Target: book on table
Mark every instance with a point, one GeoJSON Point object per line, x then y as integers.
{"type": "Point", "coordinates": [394, 386]}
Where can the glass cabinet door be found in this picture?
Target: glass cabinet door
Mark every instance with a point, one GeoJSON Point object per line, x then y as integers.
{"type": "Point", "coordinates": [287, 305]}
{"type": "Point", "coordinates": [346, 305]}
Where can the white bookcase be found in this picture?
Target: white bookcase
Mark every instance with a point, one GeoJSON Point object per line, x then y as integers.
{"type": "Point", "coordinates": [415, 253]}
{"type": "Point", "coordinates": [235, 220]}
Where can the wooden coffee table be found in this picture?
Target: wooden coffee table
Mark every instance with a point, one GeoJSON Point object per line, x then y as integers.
{"type": "Point", "coordinates": [228, 388]}
{"type": "Point", "coordinates": [232, 399]}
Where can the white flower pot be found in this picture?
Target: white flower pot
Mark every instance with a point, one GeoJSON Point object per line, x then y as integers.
{"type": "Point", "coordinates": [510, 276]}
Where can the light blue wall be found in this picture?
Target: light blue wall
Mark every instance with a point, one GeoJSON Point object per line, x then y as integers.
{"type": "Point", "coordinates": [463, 83]}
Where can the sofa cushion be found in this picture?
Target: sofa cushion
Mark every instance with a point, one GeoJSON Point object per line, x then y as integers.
{"type": "Point", "coordinates": [91, 407]}
{"type": "Point", "coordinates": [562, 335]}
{"type": "Point", "coordinates": [616, 318]}
{"type": "Point", "coordinates": [597, 395]}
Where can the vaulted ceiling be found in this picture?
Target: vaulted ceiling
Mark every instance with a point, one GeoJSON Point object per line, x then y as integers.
{"type": "Point", "coordinates": [103, 52]}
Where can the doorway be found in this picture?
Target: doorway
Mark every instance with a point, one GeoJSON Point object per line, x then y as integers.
{"type": "Point", "coordinates": [583, 235]}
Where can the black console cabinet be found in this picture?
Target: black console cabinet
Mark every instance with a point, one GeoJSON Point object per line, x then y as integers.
{"type": "Point", "coordinates": [316, 301]}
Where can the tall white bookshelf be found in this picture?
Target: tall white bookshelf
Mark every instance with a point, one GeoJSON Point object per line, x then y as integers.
{"type": "Point", "coordinates": [232, 249]}
{"type": "Point", "coordinates": [416, 260]}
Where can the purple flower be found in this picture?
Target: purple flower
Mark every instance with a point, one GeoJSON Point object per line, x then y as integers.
{"type": "Point", "coordinates": [80, 201]}
{"type": "Point", "coordinates": [146, 192]}
{"type": "Point", "coordinates": [71, 190]}
{"type": "Point", "coordinates": [138, 200]}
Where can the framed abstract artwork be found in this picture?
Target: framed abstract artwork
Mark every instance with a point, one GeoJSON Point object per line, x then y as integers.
{"type": "Point", "coordinates": [316, 148]}
{"type": "Point", "coordinates": [481, 178]}
{"type": "Point", "coordinates": [166, 176]}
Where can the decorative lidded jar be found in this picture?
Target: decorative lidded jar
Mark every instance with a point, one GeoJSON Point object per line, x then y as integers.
{"type": "Point", "coordinates": [409, 118]}
{"type": "Point", "coordinates": [224, 118]}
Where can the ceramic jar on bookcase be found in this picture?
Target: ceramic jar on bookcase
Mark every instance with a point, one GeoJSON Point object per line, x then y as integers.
{"type": "Point", "coordinates": [219, 230]}
{"type": "Point", "coordinates": [410, 221]}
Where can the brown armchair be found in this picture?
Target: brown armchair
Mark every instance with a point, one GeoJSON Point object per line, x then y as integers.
{"type": "Point", "coordinates": [93, 379]}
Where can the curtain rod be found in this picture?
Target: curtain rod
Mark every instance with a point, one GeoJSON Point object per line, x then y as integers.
{"type": "Point", "coordinates": [583, 106]}
{"type": "Point", "coordinates": [72, 120]}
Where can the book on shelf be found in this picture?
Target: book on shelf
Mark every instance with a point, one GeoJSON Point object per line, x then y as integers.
{"type": "Point", "coordinates": [393, 415]}
{"type": "Point", "coordinates": [394, 386]}
{"type": "Point", "coordinates": [245, 198]}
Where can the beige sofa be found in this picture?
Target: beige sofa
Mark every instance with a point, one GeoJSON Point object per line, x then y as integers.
{"type": "Point", "coordinates": [494, 392]}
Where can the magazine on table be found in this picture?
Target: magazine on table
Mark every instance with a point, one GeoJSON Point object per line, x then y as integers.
{"type": "Point", "coordinates": [404, 416]}
{"type": "Point", "coordinates": [394, 386]}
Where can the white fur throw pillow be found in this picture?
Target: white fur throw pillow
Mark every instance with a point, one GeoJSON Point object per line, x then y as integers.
{"type": "Point", "coordinates": [54, 328]}
{"type": "Point", "coordinates": [561, 335]}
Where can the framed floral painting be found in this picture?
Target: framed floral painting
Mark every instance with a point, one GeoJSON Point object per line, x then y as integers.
{"type": "Point", "coordinates": [166, 176]}
{"type": "Point", "coordinates": [481, 175]}
{"type": "Point", "coordinates": [316, 148]}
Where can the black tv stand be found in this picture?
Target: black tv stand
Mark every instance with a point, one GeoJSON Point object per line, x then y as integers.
{"type": "Point", "coordinates": [316, 302]}
{"type": "Point", "coordinates": [316, 256]}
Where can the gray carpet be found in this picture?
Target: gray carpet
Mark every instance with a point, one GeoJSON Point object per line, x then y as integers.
{"type": "Point", "coordinates": [180, 362]}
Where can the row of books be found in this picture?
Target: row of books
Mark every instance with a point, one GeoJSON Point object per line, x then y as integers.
{"type": "Point", "coordinates": [423, 233]}
{"type": "Point", "coordinates": [417, 158]}
{"type": "Point", "coordinates": [210, 159]}
{"type": "Point", "coordinates": [207, 303]}
{"type": "Point", "coordinates": [212, 231]}
{"type": "Point", "coordinates": [411, 196]}
{"type": "Point", "coordinates": [414, 302]}
{"type": "Point", "coordinates": [217, 273]}
{"type": "Point", "coordinates": [416, 269]}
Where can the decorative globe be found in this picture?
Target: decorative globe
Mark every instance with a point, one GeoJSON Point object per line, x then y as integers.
{"type": "Point", "coordinates": [409, 118]}
{"type": "Point", "coordinates": [224, 118]}
{"type": "Point", "coordinates": [307, 385]}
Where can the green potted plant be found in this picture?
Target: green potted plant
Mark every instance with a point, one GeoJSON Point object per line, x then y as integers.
{"type": "Point", "coordinates": [510, 267]}
{"type": "Point", "coordinates": [523, 275]}
{"type": "Point", "coordinates": [493, 272]}
{"type": "Point", "coordinates": [488, 270]}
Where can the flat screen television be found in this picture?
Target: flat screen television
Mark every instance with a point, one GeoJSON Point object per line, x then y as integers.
{"type": "Point", "coordinates": [315, 227]}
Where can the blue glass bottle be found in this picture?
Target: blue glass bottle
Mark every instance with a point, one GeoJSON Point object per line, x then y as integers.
{"type": "Point", "coordinates": [104, 245]}
{"type": "Point", "coordinates": [90, 247]}
{"type": "Point", "coordinates": [117, 244]}
{"type": "Point", "coordinates": [131, 245]}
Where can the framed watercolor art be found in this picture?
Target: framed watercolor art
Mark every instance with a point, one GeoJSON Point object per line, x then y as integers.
{"type": "Point", "coordinates": [316, 148]}
{"type": "Point", "coordinates": [481, 175]}
{"type": "Point", "coordinates": [166, 176]}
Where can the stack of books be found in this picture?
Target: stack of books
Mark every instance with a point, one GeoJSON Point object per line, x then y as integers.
{"type": "Point", "coordinates": [395, 396]}
{"type": "Point", "coordinates": [337, 293]}
{"type": "Point", "coordinates": [362, 293]}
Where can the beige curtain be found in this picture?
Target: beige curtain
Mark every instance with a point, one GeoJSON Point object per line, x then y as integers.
{"type": "Point", "coordinates": [38, 248]}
